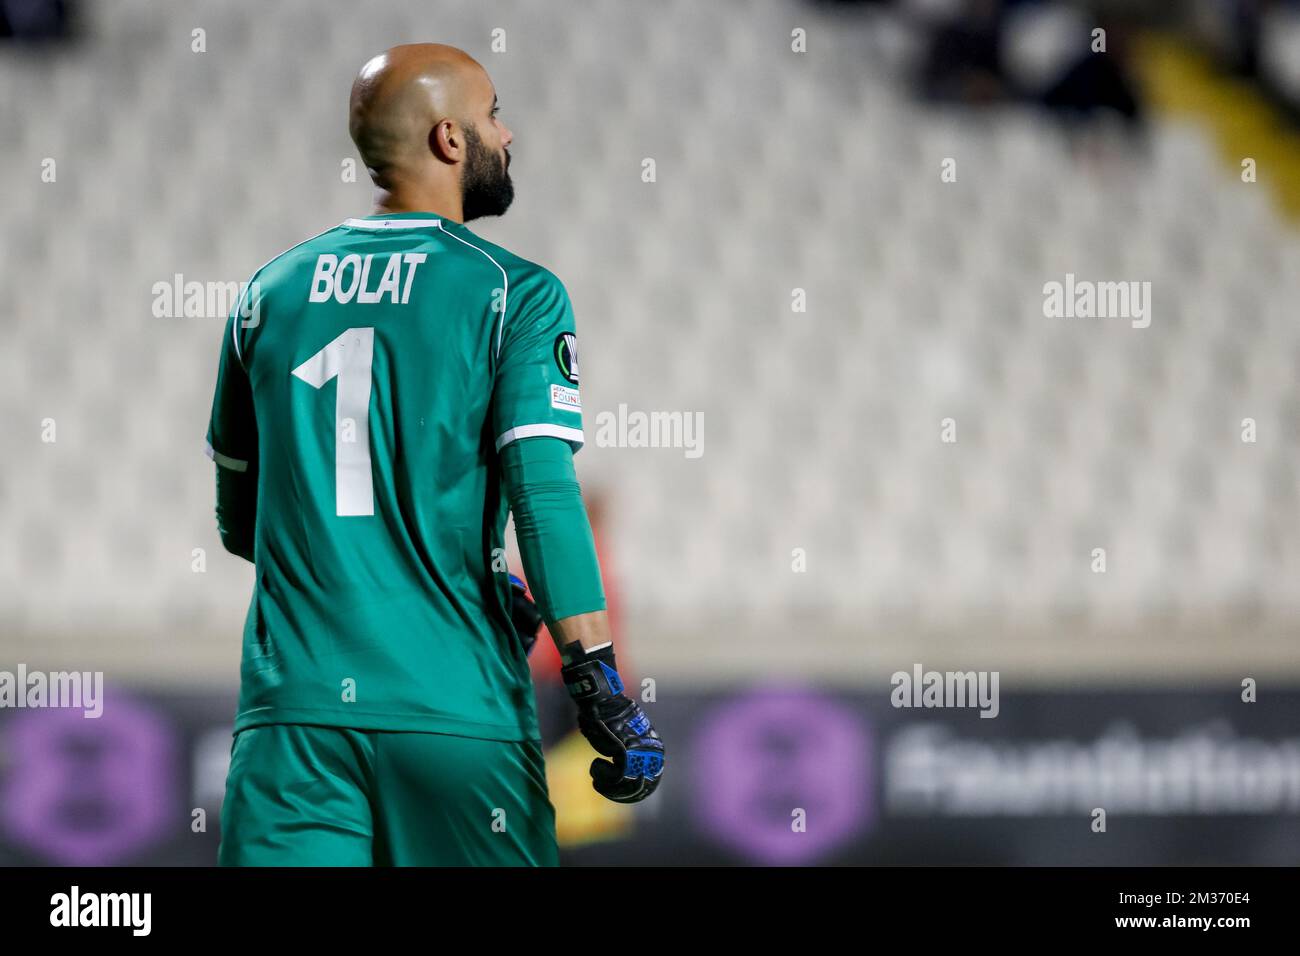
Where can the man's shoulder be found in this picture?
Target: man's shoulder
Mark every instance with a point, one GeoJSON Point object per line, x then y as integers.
{"type": "Point", "coordinates": [522, 274]}
{"type": "Point", "coordinates": [301, 255]}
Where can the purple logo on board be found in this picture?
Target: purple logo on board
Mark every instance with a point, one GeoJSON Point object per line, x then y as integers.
{"type": "Point", "coordinates": [760, 757]}
{"type": "Point", "coordinates": [88, 792]}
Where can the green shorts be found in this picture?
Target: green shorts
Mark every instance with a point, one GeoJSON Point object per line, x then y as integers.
{"type": "Point", "coordinates": [300, 795]}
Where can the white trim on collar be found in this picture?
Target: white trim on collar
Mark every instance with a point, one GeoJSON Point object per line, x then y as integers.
{"type": "Point", "coordinates": [391, 223]}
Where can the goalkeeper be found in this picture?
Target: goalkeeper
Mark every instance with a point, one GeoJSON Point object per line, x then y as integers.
{"type": "Point", "coordinates": [403, 386]}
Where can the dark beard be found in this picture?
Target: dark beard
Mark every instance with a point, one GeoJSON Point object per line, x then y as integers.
{"type": "Point", "coordinates": [485, 186]}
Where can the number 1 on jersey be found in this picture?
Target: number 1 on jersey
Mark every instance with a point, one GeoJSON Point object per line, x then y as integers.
{"type": "Point", "coordinates": [349, 357]}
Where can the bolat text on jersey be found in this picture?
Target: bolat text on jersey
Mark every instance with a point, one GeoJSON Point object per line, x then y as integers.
{"type": "Point", "coordinates": [352, 278]}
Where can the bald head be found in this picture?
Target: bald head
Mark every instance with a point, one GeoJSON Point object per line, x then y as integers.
{"type": "Point", "coordinates": [400, 96]}
{"type": "Point", "coordinates": [423, 117]}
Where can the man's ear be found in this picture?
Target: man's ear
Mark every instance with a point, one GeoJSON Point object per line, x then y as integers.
{"type": "Point", "coordinates": [446, 141]}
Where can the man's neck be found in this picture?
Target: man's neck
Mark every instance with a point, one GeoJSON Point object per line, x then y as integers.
{"type": "Point", "coordinates": [388, 202]}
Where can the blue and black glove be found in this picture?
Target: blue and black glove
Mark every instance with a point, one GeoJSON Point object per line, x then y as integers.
{"type": "Point", "coordinates": [524, 614]}
{"type": "Point", "coordinates": [613, 724]}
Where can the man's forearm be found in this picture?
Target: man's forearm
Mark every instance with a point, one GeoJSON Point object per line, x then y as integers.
{"type": "Point", "coordinates": [590, 630]}
{"type": "Point", "coordinates": [555, 539]}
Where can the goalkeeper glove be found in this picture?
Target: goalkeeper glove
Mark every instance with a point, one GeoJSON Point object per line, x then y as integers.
{"type": "Point", "coordinates": [524, 614]}
{"type": "Point", "coordinates": [613, 724]}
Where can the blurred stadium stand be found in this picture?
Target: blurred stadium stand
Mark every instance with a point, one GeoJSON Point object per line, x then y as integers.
{"type": "Point", "coordinates": [775, 172]}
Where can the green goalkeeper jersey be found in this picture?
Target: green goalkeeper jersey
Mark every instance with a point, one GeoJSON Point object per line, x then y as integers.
{"type": "Point", "coordinates": [369, 377]}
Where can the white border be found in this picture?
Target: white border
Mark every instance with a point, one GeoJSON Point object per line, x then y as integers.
{"type": "Point", "coordinates": [533, 431]}
{"type": "Point", "coordinates": [234, 464]}
{"type": "Point", "coordinates": [391, 223]}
